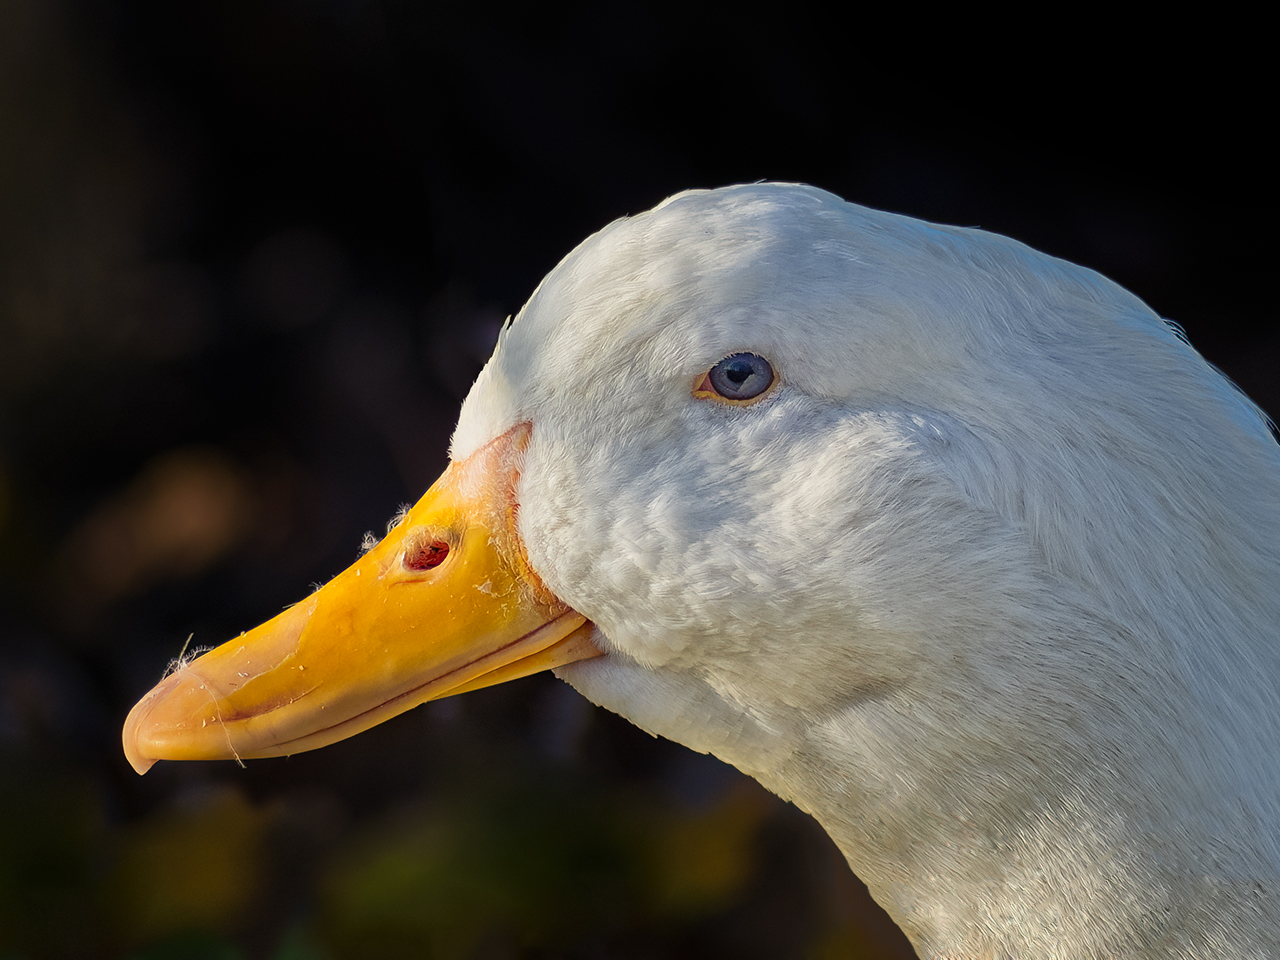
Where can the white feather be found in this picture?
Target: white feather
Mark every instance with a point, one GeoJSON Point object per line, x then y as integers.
{"type": "Point", "coordinates": [990, 584]}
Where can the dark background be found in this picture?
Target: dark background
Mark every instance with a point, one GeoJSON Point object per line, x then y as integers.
{"type": "Point", "coordinates": [251, 257]}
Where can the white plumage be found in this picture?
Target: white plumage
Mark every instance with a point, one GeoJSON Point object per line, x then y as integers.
{"type": "Point", "coordinates": [989, 582]}
{"type": "Point", "coordinates": [957, 546]}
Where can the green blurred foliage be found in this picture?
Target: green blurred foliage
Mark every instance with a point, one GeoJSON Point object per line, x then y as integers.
{"type": "Point", "coordinates": [512, 865]}
{"type": "Point", "coordinates": [54, 849]}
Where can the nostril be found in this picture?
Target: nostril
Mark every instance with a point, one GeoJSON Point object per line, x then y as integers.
{"type": "Point", "coordinates": [425, 556]}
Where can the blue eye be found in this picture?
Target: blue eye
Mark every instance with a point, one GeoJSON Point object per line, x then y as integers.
{"type": "Point", "coordinates": [742, 376]}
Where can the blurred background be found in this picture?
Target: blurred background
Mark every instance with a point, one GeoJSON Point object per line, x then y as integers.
{"type": "Point", "coordinates": [252, 256]}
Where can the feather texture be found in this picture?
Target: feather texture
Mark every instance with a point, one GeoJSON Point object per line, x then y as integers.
{"type": "Point", "coordinates": [989, 583]}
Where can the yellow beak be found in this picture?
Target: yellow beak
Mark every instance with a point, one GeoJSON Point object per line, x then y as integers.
{"type": "Point", "coordinates": [444, 604]}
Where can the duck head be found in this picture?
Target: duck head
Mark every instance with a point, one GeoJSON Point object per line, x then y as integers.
{"type": "Point", "coordinates": [928, 532]}
{"type": "Point", "coordinates": [656, 466]}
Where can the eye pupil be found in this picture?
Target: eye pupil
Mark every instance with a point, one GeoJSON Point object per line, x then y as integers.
{"type": "Point", "coordinates": [741, 376]}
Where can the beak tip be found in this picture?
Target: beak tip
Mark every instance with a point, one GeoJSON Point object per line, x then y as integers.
{"type": "Point", "coordinates": [133, 750]}
{"type": "Point", "coordinates": [137, 740]}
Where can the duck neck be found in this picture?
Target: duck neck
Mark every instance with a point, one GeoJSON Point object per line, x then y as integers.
{"type": "Point", "coordinates": [1007, 856]}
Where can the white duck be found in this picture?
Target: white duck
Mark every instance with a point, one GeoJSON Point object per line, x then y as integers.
{"type": "Point", "coordinates": [955, 545]}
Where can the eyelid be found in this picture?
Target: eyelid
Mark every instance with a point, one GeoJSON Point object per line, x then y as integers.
{"type": "Point", "coordinates": [703, 390]}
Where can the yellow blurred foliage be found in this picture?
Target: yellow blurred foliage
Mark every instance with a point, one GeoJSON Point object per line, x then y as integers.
{"type": "Point", "coordinates": [183, 511]}
{"type": "Point", "coordinates": [198, 867]}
